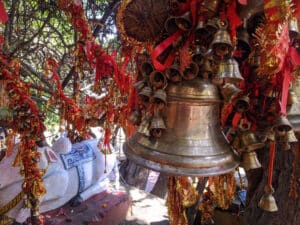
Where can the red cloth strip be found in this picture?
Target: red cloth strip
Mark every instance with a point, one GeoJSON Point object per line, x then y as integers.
{"type": "Point", "coordinates": [271, 162]}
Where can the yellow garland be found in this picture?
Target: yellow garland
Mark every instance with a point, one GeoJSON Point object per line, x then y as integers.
{"type": "Point", "coordinates": [224, 188]}
{"type": "Point", "coordinates": [181, 194]}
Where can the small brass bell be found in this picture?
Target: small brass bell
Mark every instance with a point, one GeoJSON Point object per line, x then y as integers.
{"type": "Point", "coordinates": [267, 202]}
{"type": "Point", "coordinates": [197, 55]}
{"type": "Point", "coordinates": [270, 93]}
{"type": "Point", "coordinates": [205, 69]}
{"type": "Point", "coordinates": [282, 126]}
{"type": "Point", "coordinates": [228, 72]}
{"type": "Point", "coordinates": [157, 126]}
{"type": "Point", "coordinates": [252, 8]}
{"type": "Point", "coordinates": [249, 141]}
{"type": "Point", "coordinates": [174, 74]}
{"type": "Point", "coordinates": [146, 69]}
{"type": "Point", "coordinates": [293, 28]}
{"type": "Point", "coordinates": [191, 71]}
{"type": "Point", "coordinates": [160, 99]}
{"type": "Point", "coordinates": [291, 137]}
{"type": "Point", "coordinates": [229, 92]}
{"type": "Point", "coordinates": [221, 45]}
{"type": "Point", "coordinates": [200, 29]}
{"type": "Point", "coordinates": [144, 96]}
{"type": "Point", "coordinates": [171, 26]}
{"type": "Point", "coordinates": [250, 161]}
{"type": "Point", "coordinates": [158, 80]}
{"type": "Point", "coordinates": [209, 8]}
{"type": "Point", "coordinates": [139, 85]}
{"type": "Point", "coordinates": [293, 100]}
{"type": "Point", "coordinates": [254, 59]}
{"type": "Point", "coordinates": [243, 46]}
{"type": "Point", "coordinates": [136, 117]}
{"type": "Point", "coordinates": [242, 104]}
{"type": "Point", "coordinates": [144, 127]}
{"type": "Point", "coordinates": [184, 22]}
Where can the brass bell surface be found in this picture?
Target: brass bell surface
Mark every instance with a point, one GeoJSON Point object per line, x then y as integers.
{"type": "Point", "coordinates": [229, 92]}
{"type": "Point", "coordinates": [268, 202]}
{"type": "Point", "coordinates": [192, 143]}
{"type": "Point", "coordinates": [250, 161]}
{"type": "Point", "coordinates": [228, 72]}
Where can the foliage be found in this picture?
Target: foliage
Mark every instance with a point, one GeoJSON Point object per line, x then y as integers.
{"type": "Point", "coordinates": [37, 30]}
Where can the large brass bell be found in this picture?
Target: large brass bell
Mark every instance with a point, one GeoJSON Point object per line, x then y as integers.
{"type": "Point", "coordinates": [228, 72]}
{"type": "Point", "coordinates": [192, 143]}
{"type": "Point", "coordinates": [249, 161]}
{"type": "Point", "coordinates": [267, 202]}
{"type": "Point", "coordinates": [221, 45]}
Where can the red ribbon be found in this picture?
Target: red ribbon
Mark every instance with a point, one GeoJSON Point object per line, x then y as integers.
{"type": "Point", "coordinates": [234, 19]}
{"type": "Point", "coordinates": [3, 15]}
{"type": "Point", "coordinates": [236, 119]}
{"type": "Point", "coordinates": [285, 89]}
{"type": "Point", "coordinates": [243, 2]}
{"type": "Point", "coordinates": [271, 162]}
{"type": "Point", "coordinates": [159, 49]}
